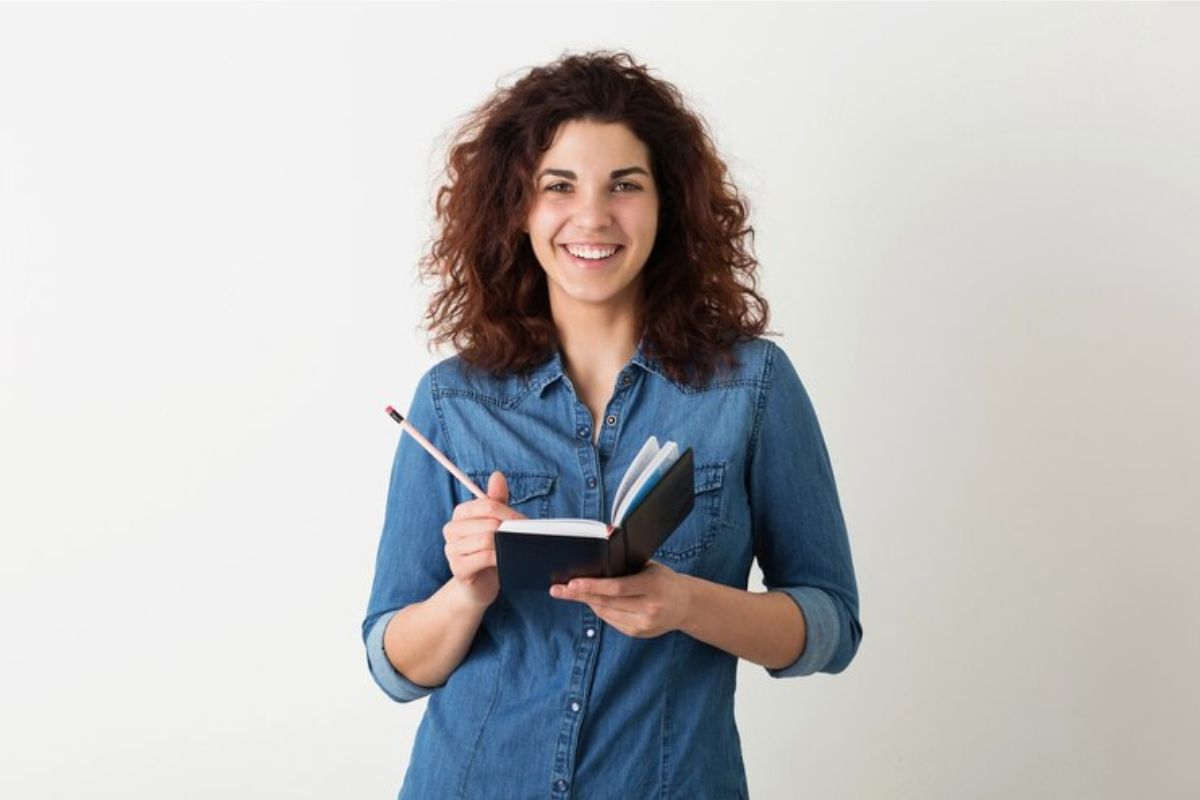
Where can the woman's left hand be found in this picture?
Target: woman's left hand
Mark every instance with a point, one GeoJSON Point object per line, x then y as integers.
{"type": "Point", "coordinates": [650, 603]}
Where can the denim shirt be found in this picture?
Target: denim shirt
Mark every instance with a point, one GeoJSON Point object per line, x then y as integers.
{"type": "Point", "coordinates": [549, 700]}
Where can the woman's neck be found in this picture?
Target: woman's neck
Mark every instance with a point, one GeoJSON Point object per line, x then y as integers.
{"type": "Point", "coordinates": [596, 343]}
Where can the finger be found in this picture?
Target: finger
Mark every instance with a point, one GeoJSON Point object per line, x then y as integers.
{"type": "Point", "coordinates": [484, 507]}
{"type": "Point", "coordinates": [481, 507]}
{"type": "Point", "coordinates": [624, 603]}
{"type": "Point", "coordinates": [498, 490]}
{"type": "Point", "coordinates": [475, 543]}
{"type": "Point", "coordinates": [452, 531]}
{"type": "Point", "coordinates": [628, 586]}
{"type": "Point", "coordinates": [621, 605]}
{"type": "Point", "coordinates": [466, 566]}
{"type": "Point", "coordinates": [497, 487]}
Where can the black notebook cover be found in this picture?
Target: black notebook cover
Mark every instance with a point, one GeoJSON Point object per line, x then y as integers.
{"type": "Point", "coordinates": [535, 561]}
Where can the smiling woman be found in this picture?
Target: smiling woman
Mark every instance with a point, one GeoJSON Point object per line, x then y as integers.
{"type": "Point", "coordinates": [592, 235]}
{"type": "Point", "coordinates": [544, 163]}
{"type": "Point", "coordinates": [594, 279]}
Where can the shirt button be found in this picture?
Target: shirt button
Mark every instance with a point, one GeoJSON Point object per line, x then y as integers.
{"type": "Point", "coordinates": [625, 381]}
{"type": "Point", "coordinates": [590, 632]}
{"type": "Point", "coordinates": [561, 785]}
{"type": "Point", "coordinates": [583, 432]}
{"type": "Point", "coordinates": [611, 420]}
{"type": "Point", "coordinates": [591, 483]}
{"type": "Point", "coordinates": [575, 707]}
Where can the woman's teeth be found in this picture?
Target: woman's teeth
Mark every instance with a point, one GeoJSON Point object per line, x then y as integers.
{"type": "Point", "coordinates": [592, 254]}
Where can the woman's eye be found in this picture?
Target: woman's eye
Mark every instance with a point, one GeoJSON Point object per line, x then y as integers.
{"type": "Point", "coordinates": [555, 186]}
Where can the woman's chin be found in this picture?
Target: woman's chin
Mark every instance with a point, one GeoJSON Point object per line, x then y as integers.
{"type": "Point", "coordinates": [591, 296]}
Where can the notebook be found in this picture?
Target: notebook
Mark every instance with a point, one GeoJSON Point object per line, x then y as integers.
{"type": "Point", "coordinates": [654, 496]}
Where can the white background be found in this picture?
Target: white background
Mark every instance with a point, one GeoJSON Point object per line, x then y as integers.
{"type": "Point", "coordinates": [978, 227]}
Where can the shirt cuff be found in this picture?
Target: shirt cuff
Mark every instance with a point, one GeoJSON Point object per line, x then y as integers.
{"type": "Point", "coordinates": [822, 629]}
{"type": "Point", "coordinates": [394, 685]}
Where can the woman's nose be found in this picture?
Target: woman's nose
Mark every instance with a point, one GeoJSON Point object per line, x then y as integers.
{"type": "Point", "coordinates": [593, 209]}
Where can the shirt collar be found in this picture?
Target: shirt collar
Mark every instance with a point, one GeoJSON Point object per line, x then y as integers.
{"type": "Point", "coordinates": [549, 371]}
{"type": "Point", "coordinates": [552, 368]}
{"type": "Point", "coordinates": [648, 362]}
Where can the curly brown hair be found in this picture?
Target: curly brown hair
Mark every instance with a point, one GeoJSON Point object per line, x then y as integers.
{"type": "Point", "coordinates": [700, 280]}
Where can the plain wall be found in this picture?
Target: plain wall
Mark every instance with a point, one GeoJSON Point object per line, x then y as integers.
{"type": "Point", "coordinates": [978, 228]}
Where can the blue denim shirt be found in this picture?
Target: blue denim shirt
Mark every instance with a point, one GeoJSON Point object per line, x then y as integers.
{"type": "Point", "coordinates": [549, 701]}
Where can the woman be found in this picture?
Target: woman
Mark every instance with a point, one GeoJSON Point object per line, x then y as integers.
{"type": "Point", "coordinates": [595, 285]}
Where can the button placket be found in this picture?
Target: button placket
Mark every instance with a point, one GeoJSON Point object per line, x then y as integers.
{"type": "Point", "coordinates": [585, 451]}
{"type": "Point", "coordinates": [582, 673]}
{"type": "Point", "coordinates": [584, 663]}
{"type": "Point", "coordinates": [612, 416]}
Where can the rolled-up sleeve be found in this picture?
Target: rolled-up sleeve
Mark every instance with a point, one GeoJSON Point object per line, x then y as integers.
{"type": "Point", "coordinates": [800, 534]}
{"type": "Point", "coordinates": [387, 677]}
{"type": "Point", "coordinates": [410, 563]}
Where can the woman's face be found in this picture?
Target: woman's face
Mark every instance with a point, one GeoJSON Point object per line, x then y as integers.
{"type": "Point", "coordinates": [593, 190]}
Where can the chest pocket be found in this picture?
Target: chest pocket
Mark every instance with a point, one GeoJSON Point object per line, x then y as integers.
{"type": "Point", "coordinates": [698, 532]}
{"type": "Point", "coordinates": [528, 492]}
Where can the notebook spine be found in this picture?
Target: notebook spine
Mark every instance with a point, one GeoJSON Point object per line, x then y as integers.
{"type": "Point", "coordinates": [616, 553]}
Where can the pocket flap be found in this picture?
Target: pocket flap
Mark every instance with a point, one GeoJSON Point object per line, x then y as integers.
{"type": "Point", "coordinates": [709, 477]}
{"type": "Point", "coordinates": [522, 485]}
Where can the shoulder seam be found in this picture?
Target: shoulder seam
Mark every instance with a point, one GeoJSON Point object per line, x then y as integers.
{"type": "Point", "coordinates": [458, 385]}
{"type": "Point", "coordinates": [435, 399]}
{"type": "Point", "coordinates": [764, 388]}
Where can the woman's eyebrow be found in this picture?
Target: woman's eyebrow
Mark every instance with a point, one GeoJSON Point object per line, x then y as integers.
{"type": "Point", "coordinates": [616, 173]}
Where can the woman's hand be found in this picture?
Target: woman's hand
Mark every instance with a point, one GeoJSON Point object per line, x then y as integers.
{"type": "Point", "coordinates": [471, 544]}
{"type": "Point", "coordinates": [648, 604]}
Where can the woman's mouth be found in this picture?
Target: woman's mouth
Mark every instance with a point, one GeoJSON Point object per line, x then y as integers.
{"type": "Point", "coordinates": [585, 262]}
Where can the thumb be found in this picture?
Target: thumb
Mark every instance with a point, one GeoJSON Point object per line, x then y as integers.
{"type": "Point", "coordinates": [497, 487]}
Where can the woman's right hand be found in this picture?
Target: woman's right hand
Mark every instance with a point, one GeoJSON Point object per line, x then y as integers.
{"type": "Point", "coordinates": [471, 544]}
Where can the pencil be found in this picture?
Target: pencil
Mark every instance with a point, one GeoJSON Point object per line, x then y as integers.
{"type": "Point", "coordinates": [438, 454]}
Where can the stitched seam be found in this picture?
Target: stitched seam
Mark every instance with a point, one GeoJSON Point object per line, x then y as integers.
{"type": "Point", "coordinates": [759, 412]}
{"type": "Point", "coordinates": [768, 369]}
{"type": "Point", "coordinates": [736, 382]}
{"type": "Point", "coordinates": [714, 476]}
{"type": "Point", "coordinates": [713, 524]}
{"type": "Point", "coordinates": [437, 408]}
{"type": "Point", "coordinates": [529, 389]}
{"type": "Point", "coordinates": [543, 487]}
{"type": "Point", "coordinates": [487, 400]}
{"type": "Point", "coordinates": [683, 388]}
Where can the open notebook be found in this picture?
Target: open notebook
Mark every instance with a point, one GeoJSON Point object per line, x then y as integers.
{"type": "Point", "coordinates": [655, 495]}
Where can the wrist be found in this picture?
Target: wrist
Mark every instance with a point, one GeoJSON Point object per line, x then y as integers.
{"type": "Point", "coordinates": [465, 597]}
{"type": "Point", "coordinates": [690, 598]}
